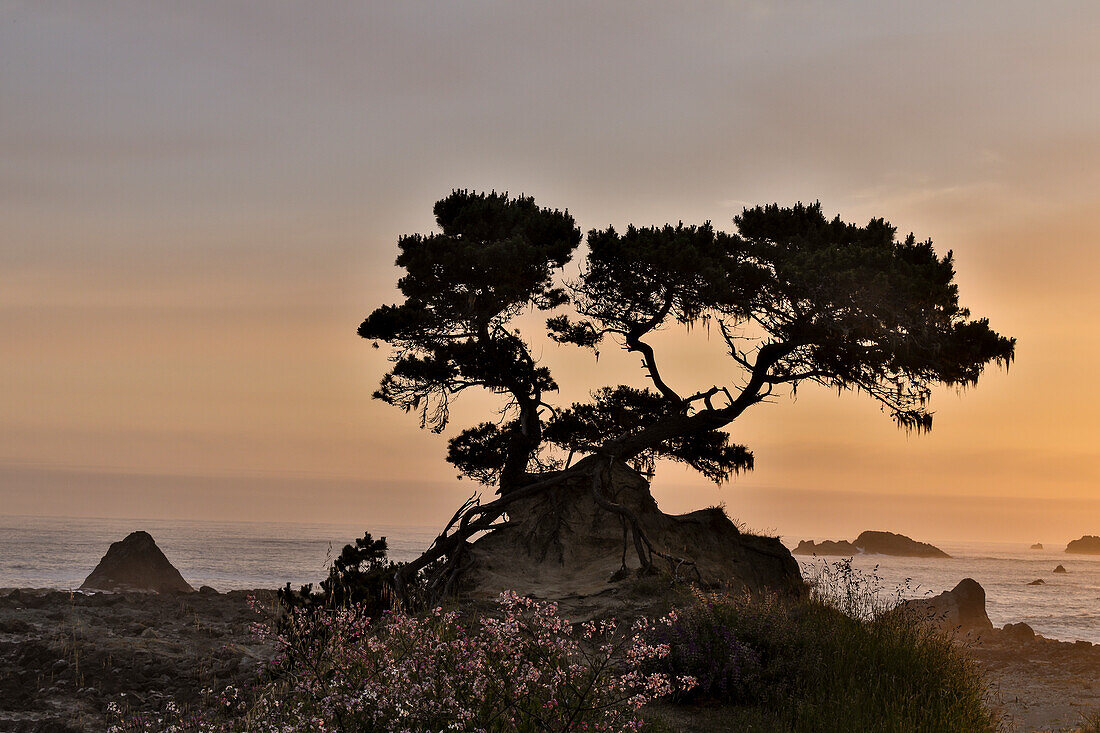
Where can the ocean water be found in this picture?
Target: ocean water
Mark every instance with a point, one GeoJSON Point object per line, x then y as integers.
{"type": "Point", "coordinates": [59, 552]}
{"type": "Point", "coordinates": [55, 552]}
{"type": "Point", "coordinates": [1066, 607]}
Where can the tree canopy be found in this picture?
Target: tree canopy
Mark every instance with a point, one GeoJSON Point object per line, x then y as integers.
{"type": "Point", "coordinates": [494, 257]}
{"type": "Point", "coordinates": [796, 297]}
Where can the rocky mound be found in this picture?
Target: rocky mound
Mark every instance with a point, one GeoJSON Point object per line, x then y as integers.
{"type": "Point", "coordinates": [872, 543]}
{"type": "Point", "coordinates": [1087, 545]}
{"type": "Point", "coordinates": [888, 543]}
{"type": "Point", "coordinates": [960, 609]}
{"type": "Point", "coordinates": [136, 563]}
{"type": "Point", "coordinates": [564, 544]}
{"type": "Point", "coordinates": [1060, 569]}
{"type": "Point", "coordinates": [1037, 546]}
{"type": "Point", "coordinates": [827, 547]}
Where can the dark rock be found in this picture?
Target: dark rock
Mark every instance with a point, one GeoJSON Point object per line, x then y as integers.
{"type": "Point", "coordinates": [888, 543]}
{"type": "Point", "coordinates": [960, 609]}
{"type": "Point", "coordinates": [206, 590]}
{"type": "Point", "coordinates": [13, 626]}
{"type": "Point", "coordinates": [1037, 546]}
{"type": "Point", "coordinates": [1087, 545]}
{"type": "Point", "coordinates": [1019, 632]}
{"type": "Point", "coordinates": [1038, 581]}
{"type": "Point", "coordinates": [1060, 569]}
{"type": "Point", "coordinates": [136, 563]}
{"type": "Point", "coordinates": [827, 547]}
{"type": "Point", "coordinates": [872, 543]}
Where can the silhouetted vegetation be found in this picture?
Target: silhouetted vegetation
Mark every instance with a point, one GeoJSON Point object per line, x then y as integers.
{"type": "Point", "coordinates": [803, 664]}
{"type": "Point", "coordinates": [361, 578]}
{"type": "Point", "coordinates": [797, 298]}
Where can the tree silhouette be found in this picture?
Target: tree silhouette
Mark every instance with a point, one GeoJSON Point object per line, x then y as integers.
{"type": "Point", "coordinates": [796, 298]}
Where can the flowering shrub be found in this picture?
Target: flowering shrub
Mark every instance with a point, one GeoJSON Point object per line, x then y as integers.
{"type": "Point", "coordinates": [705, 643]}
{"type": "Point", "coordinates": [526, 670]}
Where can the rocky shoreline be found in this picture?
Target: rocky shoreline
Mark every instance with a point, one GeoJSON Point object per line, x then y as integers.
{"type": "Point", "coordinates": [71, 654]}
{"type": "Point", "coordinates": [65, 655]}
{"type": "Point", "coordinates": [1039, 684]}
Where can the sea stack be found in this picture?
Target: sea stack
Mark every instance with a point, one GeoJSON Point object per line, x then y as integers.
{"type": "Point", "coordinates": [1087, 545]}
{"type": "Point", "coordinates": [1037, 546]}
{"type": "Point", "coordinates": [136, 563]}
{"type": "Point", "coordinates": [872, 543]}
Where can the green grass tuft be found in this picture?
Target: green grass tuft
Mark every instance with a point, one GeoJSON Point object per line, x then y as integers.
{"type": "Point", "coordinates": [807, 665]}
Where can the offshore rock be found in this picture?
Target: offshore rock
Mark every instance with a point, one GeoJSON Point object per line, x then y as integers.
{"type": "Point", "coordinates": [826, 547]}
{"type": "Point", "coordinates": [1061, 569]}
{"type": "Point", "coordinates": [960, 609]}
{"type": "Point", "coordinates": [1019, 632]}
{"type": "Point", "coordinates": [562, 544]}
{"type": "Point", "coordinates": [1087, 545]}
{"type": "Point", "coordinates": [136, 563]}
{"type": "Point", "coordinates": [888, 543]}
{"type": "Point", "coordinates": [1037, 546]}
{"type": "Point", "coordinates": [872, 543]}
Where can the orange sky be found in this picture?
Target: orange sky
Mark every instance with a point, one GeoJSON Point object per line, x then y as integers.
{"type": "Point", "coordinates": [200, 203]}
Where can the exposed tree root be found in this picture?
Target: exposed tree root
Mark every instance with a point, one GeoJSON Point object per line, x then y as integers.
{"type": "Point", "coordinates": [442, 561]}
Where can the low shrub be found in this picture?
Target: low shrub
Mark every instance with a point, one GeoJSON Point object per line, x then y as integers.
{"type": "Point", "coordinates": [804, 664]}
{"type": "Point", "coordinates": [361, 576]}
{"type": "Point", "coordinates": [705, 645]}
{"type": "Point", "coordinates": [524, 669]}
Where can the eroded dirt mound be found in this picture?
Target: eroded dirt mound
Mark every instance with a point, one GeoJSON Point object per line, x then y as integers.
{"type": "Point", "coordinates": [563, 543]}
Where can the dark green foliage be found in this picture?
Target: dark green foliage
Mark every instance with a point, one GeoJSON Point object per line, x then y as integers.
{"type": "Point", "coordinates": [795, 296]}
{"type": "Point", "coordinates": [493, 258]}
{"type": "Point", "coordinates": [361, 575]}
{"type": "Point", "coordinates": [647, 275]}
{"type": "Point", "coordinates": [479, 452]}
{"type": "Point", "coordinates": [704, 646]}
{"type": "Point", "coordinates": [803, 665]}
{"type": "Point", "coordinates": [856, 309]}
{"type": "Point", "coordinates": [584, 427]}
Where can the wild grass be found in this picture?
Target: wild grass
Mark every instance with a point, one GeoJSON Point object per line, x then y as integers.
{"type": "Point", "coordinates": [1090, 723]}
{"type": "Point", "coordinates": [840, 659]}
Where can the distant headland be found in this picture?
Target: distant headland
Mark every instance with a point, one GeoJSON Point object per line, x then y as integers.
{"type": "Point", "coordinates": [872, 543]}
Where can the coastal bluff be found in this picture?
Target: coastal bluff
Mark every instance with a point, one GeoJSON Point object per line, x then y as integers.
{"type": "Point", "coordinates": [136, 564]}
{"type": "Point", "coordinates": [872, 543]}
{"type": "Point", "coordinates": [1087, 545]}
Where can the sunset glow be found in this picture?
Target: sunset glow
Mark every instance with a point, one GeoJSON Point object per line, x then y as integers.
{"type": "Point", "coordinates": [201, 203]}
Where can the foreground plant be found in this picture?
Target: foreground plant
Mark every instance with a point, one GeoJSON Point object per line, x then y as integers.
{"type": "Point", "coordinates": [524, 669]}
{"type": "Point", "coordinates": [840, 659]}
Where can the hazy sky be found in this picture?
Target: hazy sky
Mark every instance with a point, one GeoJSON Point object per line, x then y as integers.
{"type": "Point", "coordinates": [201, 200]}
